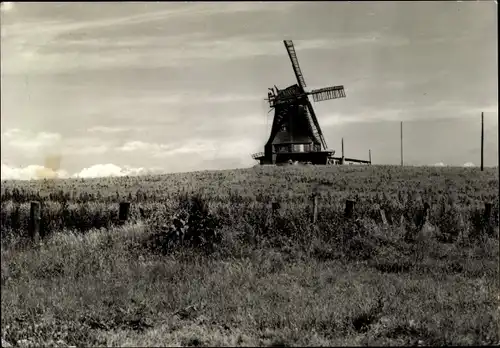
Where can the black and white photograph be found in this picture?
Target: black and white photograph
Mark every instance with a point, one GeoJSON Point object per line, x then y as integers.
{"type": "Point", "coordinates": [249, 173]}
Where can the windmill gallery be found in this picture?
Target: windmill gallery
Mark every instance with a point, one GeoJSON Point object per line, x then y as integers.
{"type": "Point", "coordinates": [296, 136]}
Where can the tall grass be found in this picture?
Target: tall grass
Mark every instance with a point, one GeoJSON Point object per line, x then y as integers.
{"type": "Point", "coordinates": [245, 275]}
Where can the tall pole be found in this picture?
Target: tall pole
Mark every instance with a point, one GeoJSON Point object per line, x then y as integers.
{"type": "Point", "coordinates": [342, 161]}
{"type": "Point", "coordinates": [370, 156]}
{"type": "Point", "coordinates": [482, 140]}
{"type": "Point", "coordinates": [401, 143]}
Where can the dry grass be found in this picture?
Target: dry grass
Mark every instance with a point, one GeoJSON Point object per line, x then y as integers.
{"type": "Point", "coordinates": [271, 281]}
{"type": "Point", "coordinates": [104, 288]}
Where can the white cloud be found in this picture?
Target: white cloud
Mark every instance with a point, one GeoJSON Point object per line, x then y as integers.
{"type": "Point", "coordinates": [204, 148]}
{"type": "Point", "coordinates": [137, 145]}
{"type": "Point", "coordinates": [30, 142]}
{"type": "Point", "coordinates": [30, 172]}
{"type": "Point", "coordinates": [163, 150]}
{"type": "Point", "coordinates": [107, 170]}
{"type": "Point", "coordinates": [107, 130]}
{"type": "Point", "coordinates": [469, 164]}
{"type": "Point", "coordinates": [439, 164]}
{"type": "Point", "coordinates": [33, 172]}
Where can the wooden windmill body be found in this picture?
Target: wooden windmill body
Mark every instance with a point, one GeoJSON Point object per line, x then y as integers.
{"type": "Point", "coordinates": [295, 134]}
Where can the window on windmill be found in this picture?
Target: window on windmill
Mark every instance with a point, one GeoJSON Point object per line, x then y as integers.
{"type": "Point", "coordinates": [282, 148]}
{"type": "Point", "coordinates": [298, 148]}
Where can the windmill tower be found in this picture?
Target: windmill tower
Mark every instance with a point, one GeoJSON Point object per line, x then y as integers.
{"type": "Point", "coordinates": [295, 133]}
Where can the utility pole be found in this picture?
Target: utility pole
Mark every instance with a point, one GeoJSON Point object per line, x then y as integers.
{"type": "Point", "coordinates": [401, 143]}
{"type": "Point", "coordinates": [482, 141]}
{"type": "Point", "coordinates": [343, 158]}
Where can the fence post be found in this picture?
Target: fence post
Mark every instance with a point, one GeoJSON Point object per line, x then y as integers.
{"type": "Point", "coordinates": [16, 218]}
{"type": "Point", "coordinates": [275, 208]}
{"type": "Point", "coordinates": [487, 217]}
{"type": "Point", "coordinates": [34, 223]}
{"type": "Point", "coordinates": [123, 212]}
{"type": "Point", "coordinates": [349, 208]}
{"type": "Point", "coordinates": [384, 218]}
{"type": "Point", "coordinates": [315, 208]}
{"type": "Point", "coordinates": [423, 217]}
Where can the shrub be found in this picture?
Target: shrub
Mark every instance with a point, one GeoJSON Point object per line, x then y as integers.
{"type": "Point", "coordinates": [190, 225]}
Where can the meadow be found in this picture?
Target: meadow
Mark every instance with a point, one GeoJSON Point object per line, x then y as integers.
{"type": "Point", "coordinates": [204, 260]}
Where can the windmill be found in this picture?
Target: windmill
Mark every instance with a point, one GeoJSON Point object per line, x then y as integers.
{"type": "Point", "coordinates": [296, 135]}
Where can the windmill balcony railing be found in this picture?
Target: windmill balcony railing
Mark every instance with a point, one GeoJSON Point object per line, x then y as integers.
{"type": "Point", "coordinates": [258, 155]}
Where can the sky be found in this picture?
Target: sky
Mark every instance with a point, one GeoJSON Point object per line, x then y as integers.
{"type": "Point", "coordinates": [96, 89]}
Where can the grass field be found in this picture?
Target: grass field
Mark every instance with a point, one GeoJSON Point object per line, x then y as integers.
{"type": "Point", "coordinates": [247, 276]}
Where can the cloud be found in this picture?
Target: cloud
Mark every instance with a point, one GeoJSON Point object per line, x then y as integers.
{"type": "Point", "coordinates": [34, 172]}
{"type": "Point", "coordinates": [439, 164]}
{"type": "Point", "coordinates": [160, 13]}
{"type": "Point", "coordinates": [137, 145]}
{"type": "Point", "coordinates": [442, 110]}
{"type": "Point", "coordinates": [107, 130]}
{"type": "Point", "coordinates": [27, 141]}
{"type": "Point", "coordinates": [205, 148]}
{"type": "Point", "coordinates": [109, 170]}
{"type": "Point", "coordinates": [30, 172]}
{"type": "Point", "coordinates": [469, 164]}
{"type": "Point", "coordinates": [54, 54]}
{"type": "Point", "coordinates": [62, 46]}
{"type": "Point", "coordinates": [31, 143]}
{"type": "Point", "coordinates": [200, 147]}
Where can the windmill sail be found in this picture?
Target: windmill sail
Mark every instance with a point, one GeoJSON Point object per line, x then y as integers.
{"type": "Point", "coordinates": [295, 63]}
{"type": "Point", "coordinates": [328, 93]}
{"type": "Point", "coordinates": [316, 129]}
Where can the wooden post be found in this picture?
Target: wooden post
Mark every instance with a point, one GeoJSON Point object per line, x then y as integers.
{"type": "Point", "coordinates": [15, 218]}
{"type": "Point", "coordinates": [275, 208]}
{"type": "Point", "coordinates": [34, 223]}
{"type": "Point", "coordinates": [123, 212]}
{"type": "Point", "coordinates": [487, 217]}
{"type": "Point", "coordinates": [423, 216]}
{"type": "Point", "coordinates": [315, 208]}
{"type": "Point", "coordinates": [370, 156]}
{"type": "Point", "coordinates": [384, 218]}
{"type": "Point", "coordinates": [349, 208]}
{"type": "Point", "coordinates": [342, 161]}
{"type": "Point", "coordinates": [482, 141]}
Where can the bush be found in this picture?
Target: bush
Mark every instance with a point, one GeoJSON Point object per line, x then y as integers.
{"type": "Point", "coordinates": [190, 225]}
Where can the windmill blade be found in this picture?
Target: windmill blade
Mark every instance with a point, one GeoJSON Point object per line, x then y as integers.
{"type": "Point", "coordinates": [318, 132]}
{"type": "Point", "coordinates": [295, 63]}
{"type": "Point", "coordinates": [327, 93]}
